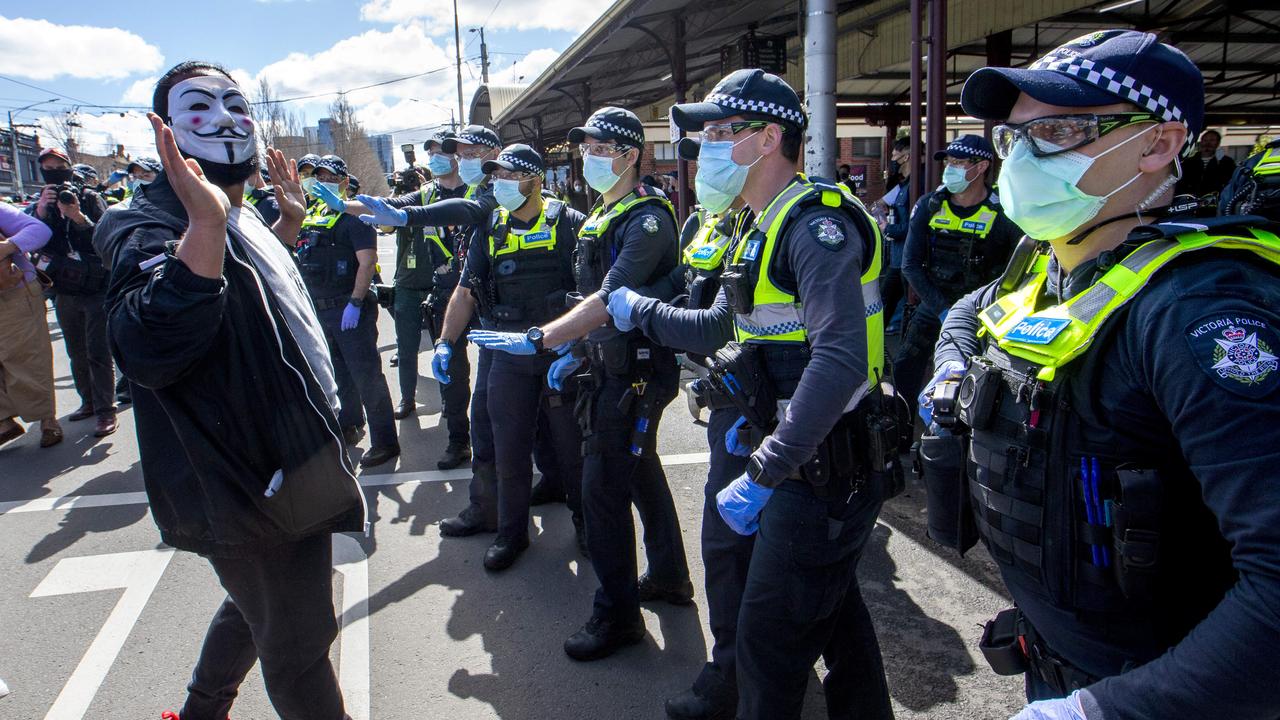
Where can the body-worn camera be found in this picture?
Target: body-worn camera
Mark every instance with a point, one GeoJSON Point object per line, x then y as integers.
{"type": "Point", "coordinates": [945, 394]}
{"type": "Point", "coordinates": [976, 398]}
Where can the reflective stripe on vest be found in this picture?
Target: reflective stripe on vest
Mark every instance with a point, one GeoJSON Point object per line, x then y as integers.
{"type": "Point", "coordinates": [978, 224]}
{"type": "Point", "coordinates": [1055, 336]}
{"type": "Point", "coordinates": [435, 236]}
{"type": "Point", "coordinates": [707, 249]}
{"type": "Point", "coordinates": [601, 218]}
{"type": "Point", "coordinates": [535, 238]}
{"type": "Point", "coordinates": [778, 316]}
{"type": "Point", "coordinates": [320, 216]}
{"type": "Point", "coordinates": [1269, 163]}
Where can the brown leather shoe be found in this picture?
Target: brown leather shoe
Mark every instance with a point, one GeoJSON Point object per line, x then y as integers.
{"type": "Point", "coordinates": [12, 433]}
{"type": "Point", "coordinates": [50, 437]}
{"type": "Point", "coordinates": [83, 413]}
{"type": "Point", "coordinates": [106, 425]}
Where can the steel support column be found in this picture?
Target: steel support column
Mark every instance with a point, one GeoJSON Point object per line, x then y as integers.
{"type": "Point", "coordinates": [917, 85]}
{"type": "Point", "coordinates": [679, 71]}
{"type": "Point", "coordinates": [821, 145]}
{"type": "Point", "coordinates": [936, 119]}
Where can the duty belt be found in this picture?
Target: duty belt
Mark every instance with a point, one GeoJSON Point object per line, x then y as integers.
{"type": "Point", "coordinates": [330, 303]}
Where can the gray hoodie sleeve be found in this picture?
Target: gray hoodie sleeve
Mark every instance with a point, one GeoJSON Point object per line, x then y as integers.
{"type": "Point", "coordinates": [958, 339]}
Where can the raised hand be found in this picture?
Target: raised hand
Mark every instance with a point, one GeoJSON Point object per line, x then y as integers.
{"type": "Point", "coordinates": [381, 213]}
{"type": "Point", "coordinates": [206, 204]}
{"type": "Point", "coordinates": [287, 187]}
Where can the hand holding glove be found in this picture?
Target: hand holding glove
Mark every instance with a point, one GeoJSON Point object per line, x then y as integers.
{"type": "Point", "coordinates": [507, 342]}
{"type": "Point", "coordinates": [440, 362]}
{"type": "Point", "coordinates": [731, 440]}
{"type": "Point", "coordinates": [621, 301]}
{"type": "Point", "coordinates": [740, 504]}
{"type": "Point", "coordinates": [950, 370]}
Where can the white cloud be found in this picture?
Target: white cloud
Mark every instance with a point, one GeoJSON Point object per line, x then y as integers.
{"type": "Point", "coordinates": [83, 51]}
{"type": "Point", "coordinates": [98, 134]}
{"type": "Point", "coordinates": [139, 92]}
{"type": "Point", "coordinates": [572, 15]}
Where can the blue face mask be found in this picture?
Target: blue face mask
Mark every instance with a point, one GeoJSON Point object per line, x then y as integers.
{"type": "Point", "coordinates": [471, 170]}
{"type": "Point", "coordinates": [508, 195]}
{"type": "Point", "coordinates": [309, 185]}
{"type": "Point", "coordinates": [954, 178]}
{"type": "Point", "coordinates": [439, 164]}
{"type": "Point", "coordinates": [135, 185]}
{"type": "Point", "coordinates": [599, 174]}
{"type": "Point", "coordinates": [720, 179]}
{"type": "Point", "coordinates": [1039, 194]}
{"type": "Point", "coordinates": [335, 188]}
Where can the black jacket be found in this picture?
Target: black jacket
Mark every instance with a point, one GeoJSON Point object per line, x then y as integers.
{"type": "Point", "coordinates": [222, 393]}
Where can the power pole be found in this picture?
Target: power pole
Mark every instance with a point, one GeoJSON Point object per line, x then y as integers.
{"type": "Point", "coordinates": [484, 59]}
{"type": "Point", "coordinates": [821, 145]}
{"type": "Point", "coordinates": [457, 50]}
{"type": "Point", "coordinates": [17, 168]}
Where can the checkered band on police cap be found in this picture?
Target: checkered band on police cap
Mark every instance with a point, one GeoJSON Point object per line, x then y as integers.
{"type": "Point", "coordinates": [520, 163]}
{"type": "Point", "coordinates": [467, 138]}
{"type": "Point", "coordinates": [790, 115]}
{"type": "Point", "coordinates": [959, 148]}
{"type": "Point", "coordinates": [1112, 81]}
{"type": "Point", "coordinates": [632, 135]}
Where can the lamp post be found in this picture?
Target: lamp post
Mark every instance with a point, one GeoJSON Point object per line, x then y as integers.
{"type": "Point", "coordinates": [484, 56]}
{"type": "Point", "coordinates": [13, 145]}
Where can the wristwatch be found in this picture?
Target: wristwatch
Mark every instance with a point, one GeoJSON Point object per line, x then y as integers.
{"type": "Point", "coordinates": [534, 335]}
{"type": "Point", "coordinates": [755, 470]}
{"type": "Point", "coordinates": [355, 302]}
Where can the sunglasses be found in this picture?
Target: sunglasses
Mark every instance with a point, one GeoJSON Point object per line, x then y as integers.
{"type": "Point", "coordinates": [1054, 134]}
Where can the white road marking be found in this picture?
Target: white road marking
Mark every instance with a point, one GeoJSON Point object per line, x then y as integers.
{"type": "Point", "coordinates": [406, 479]}
{"type": "Point", "coordinates": [136, 572]}
{"type": "Point", "coordinates": [350, 560]}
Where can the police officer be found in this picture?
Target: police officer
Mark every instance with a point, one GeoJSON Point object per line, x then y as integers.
{"type": "Point", "coordinates": [465, 154]}
{"type": "Point", "coordinates": [1254, 188]}
{"type": "Point", "coordinates": [71, 211]}
{"type": "Point", "coordinates": [337, 255]}
{"type": "Point", "coordinates": [700, 330]}
{"type": "Point", "coordinates": [959, 239]}
{"type": "Point", "coordinates": [1122, 400]}
{"type": "Point", "coordinates": [628, 240]}
{"type": "Point", "coordinates": [518, 272]}
{"type": "Point", "coordinates": [814, 499]}
{"type": "Point", "coordinates": [258, 193]}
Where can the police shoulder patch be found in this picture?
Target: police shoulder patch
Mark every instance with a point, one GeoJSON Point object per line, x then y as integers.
{"type": "Point", "coordinates": [1238, 350]}
{"type": "Point", "coordinates": [650, 224]}
{"type": "Point", "coordinates": [828, 232]}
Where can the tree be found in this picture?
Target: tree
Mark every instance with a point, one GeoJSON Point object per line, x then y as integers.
{"type": "Point", "coordinates": [65, 129]}
{"type": "Point", "coordinates": [278, 126]}
{"type": "Point", "coordinates": [352, 145]}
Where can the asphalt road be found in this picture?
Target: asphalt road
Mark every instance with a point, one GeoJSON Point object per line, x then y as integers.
{"type": "Point", "coordinates": [98, 620]}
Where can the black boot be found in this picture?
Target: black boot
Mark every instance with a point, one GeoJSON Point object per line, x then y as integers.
{"type": "Point", "coordinates": [454, 455]}
{"type": "Point", "coordinates": [405, 409]}
{"type": "Point", "coordinates": [675, 595]}
{"type": "Point", "coordinates": [502, 553]}
{"type": "Point", "coordinates": [600, 638]}
{"type": "Point", "coordinates": [468, 522]}
{"type": "Point", "coordinates": [546, 492]}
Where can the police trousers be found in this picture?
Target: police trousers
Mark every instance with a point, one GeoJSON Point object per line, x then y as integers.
{"type": "Point", "coordinates": [802, 601]}
{"type": "Point", "coordinates": [613, 478]}
{"type": "Point", "coordinates": [279, 611]}
{"type": "Point", "coordinates": [517, 395]}
{"type": "Point", "coordinates": [915, 354]}
{"type": "Point", "coordinates": [357, 369]}
{"type": "Point", "coordinates": [726, 556]}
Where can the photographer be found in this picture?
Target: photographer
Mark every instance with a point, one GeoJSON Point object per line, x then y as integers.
{"type": "Point", "coordinates": [79, 282]}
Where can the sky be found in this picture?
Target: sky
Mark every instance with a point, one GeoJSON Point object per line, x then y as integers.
{"type": "Point", "coordinates": [101, 60]}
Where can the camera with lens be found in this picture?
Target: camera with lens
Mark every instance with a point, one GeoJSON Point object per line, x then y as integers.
{"type": "Point", "coordinates": [68, 193]}
{"type": "Point", "coordinates": [976, 397]}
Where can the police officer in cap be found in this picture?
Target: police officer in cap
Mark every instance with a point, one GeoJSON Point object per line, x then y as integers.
{"type": "Point", "coordinates": [518, 273]}
{"type": "Point", "coordinates": [337, 254]}
{"type": "Point", "coordinates": [958, 240]}
{"type": "Point", "coordinates": [259, 194]}
{"type": "Point", "coordinates": [1123, 398]}
{"type": "Point", "coordinates": [811, 486]}
{"type": "Point", "coordinates": [628, 240]}
{"type": "Point", "coordinates": [700, 326]}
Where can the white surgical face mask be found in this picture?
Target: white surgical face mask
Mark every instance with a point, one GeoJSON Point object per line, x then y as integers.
{"type": "Point", "coordinates": [598, 171]}
{"type": "Point", "coordinates": [211, 120]}
{"type": "Point", "coordinates": [471, 170]}
{"type": "Point", "coordinates": [335, 188]}
{"type": "Point", "coordinates": [508, 195]}
{"type": "Point", "coordinates": [955, 178]}
{"type": "Point", "coordinates": [1041, 196]}
{"type": "Point", "coordinates": [309, 185]}
{"type": "Point", "coordinates": [439, 164]}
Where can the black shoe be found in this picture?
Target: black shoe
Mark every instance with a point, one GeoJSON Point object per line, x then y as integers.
{"type": "Point", "coordinates": [502, 553]}
{"type": "Point", "coordinates": [650, 591]}
{"type": "Point", "coordinates": [84, 412]}
{"type": "Point", "coordinates": [454, 455]}
{"type": "Point", "coordinates": [469, 522]}
{"type": "Point", "coordinates": [544, 493]}
{"type": "Point", "coordinates": [600, 638]}
{"type": "Point", "coordinates": [378, 455]}
{"type": "Point", "coordinates": [689, 705]}
{"type": "Point", "coordinates": [404, 409]}
{"type": "Point", "coordinates": [352, 434]}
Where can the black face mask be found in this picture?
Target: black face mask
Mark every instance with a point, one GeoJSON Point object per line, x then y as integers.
{"type": "Point", "coordinates": [224, 174]}
{"type": "Point", "coordinates": [894, 166]}
{"type": "Point", "coordinates": [56, 176]}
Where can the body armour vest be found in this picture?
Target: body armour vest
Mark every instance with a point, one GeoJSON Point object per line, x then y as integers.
{"type": "Point", "coordinates": [328, 266]}
{"type": "Point", "coordinates": [959, 258]}
{"type": "Point", "coordinates": [529, 272]}
{"type": "Point", "coordinates": [708, 252]}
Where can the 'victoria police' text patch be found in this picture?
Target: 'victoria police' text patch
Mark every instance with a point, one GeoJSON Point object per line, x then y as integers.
{"type": "Point", "coordinates": [1238, 351]}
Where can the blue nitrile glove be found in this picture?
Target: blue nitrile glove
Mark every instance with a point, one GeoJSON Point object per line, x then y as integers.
{"type": "Point", "coordinates": [620, 303]}
{"type": "Point", "coordinates": [507, 342]}
{"type": "Point", "coordinates": [383, 214]}
{"type": "Point", "coordinates": [949, 370]}
{"type": "Point", "coordinates": [334, 202]}
{"type": "Point", "coordinates": [563, 367]}
{"type": "Point", "coordinates": [1067, 708]}
{"type": "Point", "coordinates": [731, 440]}
{"type": "Point", "coordinates": [740, 504]}
{"type": "Point", "coordinates": [440, 362]}
{"type": "Point", "coordinates": [350, 316]}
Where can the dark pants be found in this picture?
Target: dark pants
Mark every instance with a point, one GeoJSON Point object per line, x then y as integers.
{"type": "Point", "coordinates": [483, 490]}
{"type": "Point", "coordinates": [407, 312]}
{"type": "Point", "coordinates": [612, 479]}
{"type": "Point", "coordinates": [83, 321]}
{"type": "Point", "coordinates": [893, 290]}
{"type": "Point", "coordinates": [455, 397]}
{"type": "Point", "coordinates": [727, 557]}
{"type": "Point", "coordinates": [279, 610]}
{"type": "Point", "coordinates": [915, 355]}
{"type": "Point", "coordinates": [357, 368]}
{"type": "Point", "coordinates": [802, 601]}
{"type": "Point", "coordinates": [517, 395]}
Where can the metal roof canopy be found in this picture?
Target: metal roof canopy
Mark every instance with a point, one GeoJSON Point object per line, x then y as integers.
{"type": "Point", "coordinates": [624, 59]}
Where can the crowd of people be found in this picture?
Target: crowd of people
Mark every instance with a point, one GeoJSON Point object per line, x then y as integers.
{"type": "Point", "coordinates": [1078, 346]}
